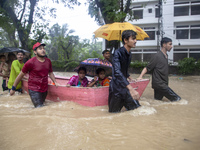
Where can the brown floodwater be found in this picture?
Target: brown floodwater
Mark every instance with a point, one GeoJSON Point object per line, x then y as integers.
{"type": "Point", "coordinates": [157, 125]}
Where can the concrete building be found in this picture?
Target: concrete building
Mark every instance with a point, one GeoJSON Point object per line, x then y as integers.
{"type": "Point", "coordinates": [176, 19]}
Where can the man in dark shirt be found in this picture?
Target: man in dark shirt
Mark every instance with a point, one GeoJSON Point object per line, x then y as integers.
{"type": "Point", "coordinates": [158, 65]}
{"type": "Point", "coordinates": [121, 93]}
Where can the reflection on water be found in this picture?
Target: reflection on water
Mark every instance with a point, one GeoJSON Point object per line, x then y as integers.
{"type": "Point", "coordinates": [67, 125]}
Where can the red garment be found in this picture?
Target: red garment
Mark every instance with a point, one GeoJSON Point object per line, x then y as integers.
{"type": "Point", "coordinates": [38, 74]}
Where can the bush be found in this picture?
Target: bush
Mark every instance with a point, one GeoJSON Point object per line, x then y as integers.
{"type": "Point", "coordinates": [138, 64]}
{"type": "Point", "coordinates": [198, 65]}
{"type": "Point", "coordinates": [186, 66]}
{"type": "Point", "coordinates": [58, 64]}
{"type": "Point", "coordinates": [71, 65]}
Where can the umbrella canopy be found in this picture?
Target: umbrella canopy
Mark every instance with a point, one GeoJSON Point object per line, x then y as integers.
{"type": "Point", "coordinates": [114, 31]}
{"type": "Point", "coordinates": [92, 64]}
{"type": "Point", "coordinates": [12, 49]}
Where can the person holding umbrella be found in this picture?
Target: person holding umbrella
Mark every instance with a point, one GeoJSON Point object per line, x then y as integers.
{"type": "Point", "coordinates": [38, 67]}
{"type": "Point", "coordinates": [121, 93]}
{"type": "Point", "coordinates": [106, 55]}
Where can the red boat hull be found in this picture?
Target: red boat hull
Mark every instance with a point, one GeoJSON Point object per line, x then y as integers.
{"type": "Point", "coordinates": [87, 96]}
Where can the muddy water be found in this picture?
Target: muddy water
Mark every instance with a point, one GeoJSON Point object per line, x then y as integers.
{"type": "Point", "coordinates": [68, 126]}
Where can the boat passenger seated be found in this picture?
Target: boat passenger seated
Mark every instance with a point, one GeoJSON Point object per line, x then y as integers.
{"type": "Point", "coordinates": [79, 80]}
{"type": "Point", "coordinates": [100, 79]}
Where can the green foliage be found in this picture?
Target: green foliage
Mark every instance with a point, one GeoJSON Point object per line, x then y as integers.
{"type": "Point", "coordinates": [186, 66]}
{"type": "Point", "coordinates": [138, 64]}
{"type": "Point", "coordinates": [63, 47]}
{"type": "Point", "coordinates": [71, 65]}
{"type": "Point", "coordinates": [198, 65]}
{"type": "Point", "coordinates": [24, 19]}
{"type": "Point", "coordinates": [110, 10]}
{"type": "Point", "coordinates": [58, 64]}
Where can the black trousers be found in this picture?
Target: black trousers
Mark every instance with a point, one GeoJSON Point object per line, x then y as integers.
{"type": "Point", "coordinates": [4, 85]}
{"type": "Point", "coordinates": [116, 101]}
{"type": "Point", "coordinates": [37, 98]}
{"type": "Point", "coordinates": [168, 93]}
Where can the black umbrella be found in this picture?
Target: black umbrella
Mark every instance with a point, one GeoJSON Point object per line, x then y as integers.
{"type": "Point", "coordinates": [12, 49]}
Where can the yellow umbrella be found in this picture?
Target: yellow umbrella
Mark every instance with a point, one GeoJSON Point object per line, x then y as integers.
{"type": "Point", "coordinates": [114, 31]}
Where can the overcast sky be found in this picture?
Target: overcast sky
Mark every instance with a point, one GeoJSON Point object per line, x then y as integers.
{"type": "Point", "coordinates": [77, 19]}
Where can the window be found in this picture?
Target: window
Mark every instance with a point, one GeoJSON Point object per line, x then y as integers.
{"type": "Point", "coordinates": [181, 11]}
{"type": "Point", "coordinates": [136, 57]}
{"type": "Point", "coordinates": [195, 32]}
{"type": "Point", "coordinates": [187, 8]}
{"type": "Point", "coordinates": [138, 14]}
{"type": "Point", "coordinates": [182, 32]}
{"type": "Point", "coordinates": [188, 32]}
{"type": "Point", "coordinates": [143, 55]}
{"type": "Point", "coordinates": [151, 32]}
{"type": "Point", "coordinates": [195, 56]}
{"type": "Point", "coordinates": [195, 10]}
{"type": "Point", "coordinates": [180, 54]}
{"type": "Point", "coordinates": [195, 53]}
{"type": "Point", "coordinates": [157, 13]}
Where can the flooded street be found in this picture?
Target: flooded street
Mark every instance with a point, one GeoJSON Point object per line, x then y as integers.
{"type": "Point", "coordinates": [157, 125]}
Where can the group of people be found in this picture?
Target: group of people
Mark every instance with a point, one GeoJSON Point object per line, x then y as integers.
{"type": "Point", "coordinates": [8, 68]}
{"type": "Point", "coordinates": [121, 93]}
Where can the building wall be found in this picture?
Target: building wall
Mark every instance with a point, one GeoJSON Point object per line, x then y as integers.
{"type": "Point", "coordinates": [182, 26]}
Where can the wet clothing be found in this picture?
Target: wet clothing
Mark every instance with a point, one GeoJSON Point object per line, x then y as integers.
{"type": "Point", "coordinates": [37, 98]}
{"type": "Point", "coordinates": [38, 74]}
{"type": "Point", "coordinates": [73, 81]}
{"type": "Point", "coordinates": [16, 67]}
{"type": "Point", "coordinates": [119, 95]}
{"type": "Point", "coordinates": [168, 93]}
{"type": "Point", "coordinates": [4, 85]}
{"type": "Point", "coordinates": [158, 66]}
{"type": "Point", "coordinates": [38, 79]}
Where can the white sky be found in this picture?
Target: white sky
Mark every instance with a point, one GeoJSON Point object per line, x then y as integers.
{"type": "Point", "coordinates": [77, 19]}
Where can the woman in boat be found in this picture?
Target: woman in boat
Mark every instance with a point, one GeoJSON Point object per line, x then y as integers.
{"type": "Point", "coordinates": [80, 80]}
{"type": "Point", "coordinates": [100, 79]}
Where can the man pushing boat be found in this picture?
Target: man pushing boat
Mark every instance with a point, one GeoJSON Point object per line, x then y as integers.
{"type": "Point", "coordinates": [121, 93]}
{"type": "Point", "coordinates": [159, 68]}
{"type": "Point", "coordinates": [38, 67]}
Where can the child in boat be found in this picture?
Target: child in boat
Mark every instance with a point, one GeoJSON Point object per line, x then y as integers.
{"type": "Point", "coordinates": [80, 80]}
{"type": "Point", "coordinates": [100, 79]}
{"type": "Point", "coordinates": [4, 72]}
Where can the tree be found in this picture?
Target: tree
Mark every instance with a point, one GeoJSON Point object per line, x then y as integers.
{"type": "Point", "coordinates": [67, 48]}
{"type": "Point", "coordinates": [110, 10]}
{"type": "Point", "coordinates": [21, 14]}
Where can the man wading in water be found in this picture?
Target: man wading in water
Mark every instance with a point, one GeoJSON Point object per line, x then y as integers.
{"type": "Point", "coordinates": [121, 93]}
{"type": "Point", "coordinates": [159, 68]}
{"type": "Point", "coordinates": [38, 67]}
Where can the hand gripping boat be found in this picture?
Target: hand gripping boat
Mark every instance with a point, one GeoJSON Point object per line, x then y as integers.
{"type": "Point", "coordinates": [87, 96]}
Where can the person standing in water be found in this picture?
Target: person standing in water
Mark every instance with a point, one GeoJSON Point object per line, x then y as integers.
{"type": "Point", "coordinates": [106, 55]}
{"type": "Point", "coordinates": [16, 67]}
{"type": "Point", "coordinates": [158, 65]}
{"type": "Point", "coordinates": [38, 67]}
{"type": "Point", "coordinates": [121, 93]}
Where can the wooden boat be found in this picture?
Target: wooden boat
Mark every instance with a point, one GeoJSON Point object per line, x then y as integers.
{"type": "Point", "coordinates": [87, 96]}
